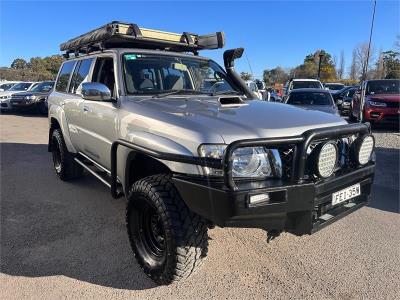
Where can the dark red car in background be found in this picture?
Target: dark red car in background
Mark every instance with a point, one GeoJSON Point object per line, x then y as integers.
{"type": "Point", "coordinates": [381, 101]}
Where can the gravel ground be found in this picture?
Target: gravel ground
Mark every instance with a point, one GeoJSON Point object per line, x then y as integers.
{"type": "Point", "coordinates": [68, 240]}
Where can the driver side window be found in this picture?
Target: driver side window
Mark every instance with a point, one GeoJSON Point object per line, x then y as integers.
{"type": "Point", "coordinates": [104, 73]}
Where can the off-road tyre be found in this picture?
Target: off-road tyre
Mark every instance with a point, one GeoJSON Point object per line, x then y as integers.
{"type": "Point", "coordinates": [64, 165]}
{"type": "Point", "coordinates": [184, 239]}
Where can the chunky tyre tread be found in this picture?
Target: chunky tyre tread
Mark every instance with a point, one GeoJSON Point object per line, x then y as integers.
{"type": "Point", "coordinates": [69, 168]}
{"type": "Point", "coordinates": [186, 232]}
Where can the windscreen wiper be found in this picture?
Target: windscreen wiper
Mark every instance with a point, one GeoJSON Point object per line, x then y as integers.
{"type": "Point", "coordinates": [175, 92]}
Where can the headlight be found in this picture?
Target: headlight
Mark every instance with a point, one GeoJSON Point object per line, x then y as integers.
{"type": "Point", "coordinates": [324, 158]}
{"type": "Point", "coordinates": [376, 103]}
{"type": "Point", "coordinates": [246, 162]}
{"type": "Point", "coordinates": [30, 97]}
{"type": "Point", "coordinates": [362, 149]}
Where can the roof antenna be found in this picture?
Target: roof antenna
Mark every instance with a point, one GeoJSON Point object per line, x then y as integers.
{"type": "Point", "coordinates": [251, 70]}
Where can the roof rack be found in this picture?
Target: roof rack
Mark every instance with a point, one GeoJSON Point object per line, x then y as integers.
{"type": "Point", "coordinates": [128, 35]}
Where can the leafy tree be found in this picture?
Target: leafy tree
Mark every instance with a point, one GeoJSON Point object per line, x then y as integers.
{"type": "Point", "coordinates": [38, 69]}
{"type": "Point", "coordinates": [276, 75]}
{"type": "Point", "coordinates": [309, 69]}
{"type": "Point", "coordinates": [391, 62]}
{"type": "Point", "coordinates": [19, 64]}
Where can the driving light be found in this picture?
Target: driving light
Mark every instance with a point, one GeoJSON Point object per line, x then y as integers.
{"type": "Point", "coordinates": [30, 97]}
{"type": "Point", "coordinates": [258, 199]}
{"type": "Point", "coordinates": [362, 149]}
{"type": "Point", "coordinates": [325, 159]}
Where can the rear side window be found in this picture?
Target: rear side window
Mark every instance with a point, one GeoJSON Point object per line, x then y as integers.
{"type": "Point", "coordinates": [63, 78]}
{"type": "Point", "coordinates": [80, 75]}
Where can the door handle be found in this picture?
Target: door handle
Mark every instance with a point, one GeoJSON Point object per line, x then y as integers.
{"type": "Point", "coordinates": [85, 109]}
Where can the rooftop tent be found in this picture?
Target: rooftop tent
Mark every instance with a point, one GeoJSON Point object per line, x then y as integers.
{"type": "Point", "coordinates": [128, 35]}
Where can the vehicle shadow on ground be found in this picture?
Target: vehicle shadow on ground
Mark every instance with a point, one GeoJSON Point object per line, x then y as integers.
{"type": "Point", "coordinates": [52, 228]}
{"type": "Point", "coordinates": [31, 113]}
{"type": "Point", "coordinates": [385, 191]}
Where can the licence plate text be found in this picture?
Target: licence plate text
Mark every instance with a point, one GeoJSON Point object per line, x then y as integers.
{"type": "Point", "coordinates": [346, 194]}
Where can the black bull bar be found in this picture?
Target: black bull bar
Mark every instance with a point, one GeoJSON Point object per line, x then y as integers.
{"type": "Point", "coordinates": [300, 144]}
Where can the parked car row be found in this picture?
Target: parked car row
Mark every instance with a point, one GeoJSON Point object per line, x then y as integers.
{"type": "Point", "coordinates": [25, 95]}
{"type": "Point", "coordinates": [374, 101]}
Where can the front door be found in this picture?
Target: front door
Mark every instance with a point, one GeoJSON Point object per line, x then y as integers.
{"type": "Point", "coordinates": [100, 117]}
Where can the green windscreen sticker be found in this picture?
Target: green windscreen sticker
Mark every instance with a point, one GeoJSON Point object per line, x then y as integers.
{"type": "Point", "coordinates": [130, 56]}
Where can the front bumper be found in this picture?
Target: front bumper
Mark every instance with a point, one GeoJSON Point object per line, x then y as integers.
{"type": "Point", "coordinates": [299, 208]}
{"type": "Point", "coordinates": [22, 103]}
{"type": "Point", "coordinates": [382, 115]}
{"type": "Point", "coordinates": [5, 104]}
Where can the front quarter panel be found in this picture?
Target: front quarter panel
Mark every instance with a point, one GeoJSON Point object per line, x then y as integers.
{"type": "Point", "coordinates": [57, 112]}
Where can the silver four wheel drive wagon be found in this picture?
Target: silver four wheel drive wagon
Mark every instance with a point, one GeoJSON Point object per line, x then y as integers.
{"type": "Point", "coordinates": [187, 144]}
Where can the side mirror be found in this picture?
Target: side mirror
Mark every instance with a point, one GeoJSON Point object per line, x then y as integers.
{"type": "Point", "coordinates": [95, 91]}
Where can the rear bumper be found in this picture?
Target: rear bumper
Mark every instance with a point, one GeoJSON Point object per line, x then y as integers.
{"type": "Point", "coordinates": [294, 208]}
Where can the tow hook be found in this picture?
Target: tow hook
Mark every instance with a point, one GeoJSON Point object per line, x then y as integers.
{"type": "Point", "coordinates": [272, 234]}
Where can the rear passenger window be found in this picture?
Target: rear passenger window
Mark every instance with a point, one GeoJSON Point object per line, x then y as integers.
{"type": "Point", "coordinates": [80, 75]}
{"type": "Point", "coordinates": [63, 78]}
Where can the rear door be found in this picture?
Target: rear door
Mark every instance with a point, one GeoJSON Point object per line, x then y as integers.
{"type": "Point", "coordinates": [100, 118]}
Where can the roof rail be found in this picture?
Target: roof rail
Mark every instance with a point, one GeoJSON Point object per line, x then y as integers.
{"type": "Point", "coordinates": [128, 35]}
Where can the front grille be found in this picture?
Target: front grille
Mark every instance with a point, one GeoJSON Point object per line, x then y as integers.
{"type": "Point", "coordinates": [17, 97]}
{"type": "Point", "coordinates": [287, 156]}
{"type": "Point", "coordinates": [393, 104]}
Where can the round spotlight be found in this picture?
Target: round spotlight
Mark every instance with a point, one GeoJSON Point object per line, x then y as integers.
{"type": "Point", "coordinates": [362, 149]}
{"type": "Point", "coordinates": [326, 156]}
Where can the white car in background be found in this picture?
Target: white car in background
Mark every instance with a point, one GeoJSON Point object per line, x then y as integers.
{"type": "Point", "coordinates": [301, 84]}
{"type": "Point", "coordinates": [254, 89]}
{"type": "Point", "coordinates": [6, 85]}
{"type": "Point", "coordinates": [5, 96]}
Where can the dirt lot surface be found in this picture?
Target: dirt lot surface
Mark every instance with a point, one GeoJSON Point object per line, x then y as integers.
{"type": "Point", "coordinates": [68, 240]}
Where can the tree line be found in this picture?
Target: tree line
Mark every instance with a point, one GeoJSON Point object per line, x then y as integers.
{"type": "Point", "coordinates": [36, 69]}
{"type": "Point", "coordinates": [381, 65]}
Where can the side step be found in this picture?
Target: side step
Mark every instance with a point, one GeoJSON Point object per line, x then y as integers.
{"type": "Point", "coordinates": [98, 171]}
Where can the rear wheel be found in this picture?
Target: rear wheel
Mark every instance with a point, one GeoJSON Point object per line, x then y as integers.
{"type": "Point", "coordinates": [168, 240]}
{"type": "Point", "coordinates": [64, 165]}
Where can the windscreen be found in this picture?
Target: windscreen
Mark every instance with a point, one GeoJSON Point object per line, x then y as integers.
{"type": "Point", "coordinates": [22, 86]}
{"type": "Point", "coordinates": [306, 85]}
{"type": "Point", "coordinates": [383, 87]}
{"type": "Point", "coordinates": [154, 74]}
{"type": "Point", "coordinates": [310, 98]}
{"type": "Point", "coordinates": [43, 87]}
{"type": "Point", "coordinates": [334, 87]}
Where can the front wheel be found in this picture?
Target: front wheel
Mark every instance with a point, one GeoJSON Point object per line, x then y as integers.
{"type": "Point", "coordinates": [168, 240]}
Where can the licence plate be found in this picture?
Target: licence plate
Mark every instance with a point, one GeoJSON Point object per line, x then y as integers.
{"type": "Point", "coordinates": [346, 194]}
